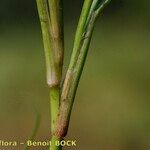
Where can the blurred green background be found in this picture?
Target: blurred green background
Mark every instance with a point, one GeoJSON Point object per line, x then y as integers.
{"type": "Point", "coordinates": [112, 107]}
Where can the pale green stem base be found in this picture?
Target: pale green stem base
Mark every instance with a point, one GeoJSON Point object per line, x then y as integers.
{"type": "Point", "coordinates": [54, 107]}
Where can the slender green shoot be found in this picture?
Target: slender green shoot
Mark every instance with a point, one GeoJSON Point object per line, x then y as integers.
{"type": "Point", "coordinates": [77, 63]}
{"type": "Point", "coordinates": [50, 14]}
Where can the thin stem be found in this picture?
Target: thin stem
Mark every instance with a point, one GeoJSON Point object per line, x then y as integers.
{"type": "Point", "coordinates": [79, 32]}
{"type": "Point", "coordinates": [54, 104]}
{"type": "Point", "coordinates": [56, 18]}
{"type": "Point", "coordinates": [70, 86]}
{"type": "Point", "coordinates": [53, 39]}
{"type": "Point", "coordinates": [54, 101]}
{"type": "Point", "coordinates": [52, 75]}
{"type": "Point", "coordinates": [76, 66]}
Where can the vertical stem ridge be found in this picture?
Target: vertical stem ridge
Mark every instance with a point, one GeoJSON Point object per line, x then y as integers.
{"type": "Point", "coordinates": [56, 18]}
{"type": "Point", "coordinates": [53, 39]}
{"type": "Point", "coordinates": [76, 64]}
{"type": "Point", "coordinates": [54, 104]}
{"type": "Point", "coordinates": [71, 84]}
{"type": "Point", "coordinates": [79, 32]}
{"type": "Point", "coordinates": [51, 70]}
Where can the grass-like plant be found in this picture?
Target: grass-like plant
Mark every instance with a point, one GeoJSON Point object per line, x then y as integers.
{"type": "Point", "coordinates": [62, 97]}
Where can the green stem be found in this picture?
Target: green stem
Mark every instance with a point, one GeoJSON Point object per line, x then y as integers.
{"type": "Point", "coordinates": [52, 75]}
{"type": "Point", "coordinates": [56, 19]}
{"type": "Point", "coordinates": [53, 39]}
{"type": "Point", "coordinates": [54, 101]}
{"type": "Point", "coordinates": [70, 86]}
{"type": "Point", "coordinates": [76, 64]}
{"type": "Point", "coordinates": [54, 104]}
{"type": "Point", "coordinates": [79, 32]}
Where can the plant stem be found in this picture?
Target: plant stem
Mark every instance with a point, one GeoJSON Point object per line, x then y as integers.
{"type": "Point", "coordinates": [54, 101]}
{"type": "Point", "coordinates": [56, 19]}
{"type": "Point", "coordinates": [52, 78]}
{"type": "Point", "coordinates": [54, 104]}
{"type": "Point", "coordinates": [70, 87]}
{"type": "Point", "coordinates": [79, 32]}
{"type": "Point", "coordinates": [53, 39]}
{"type": "Point", "coordinates": [70, 84]}
{"type": "Point", "coordinates": [78, 58]}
